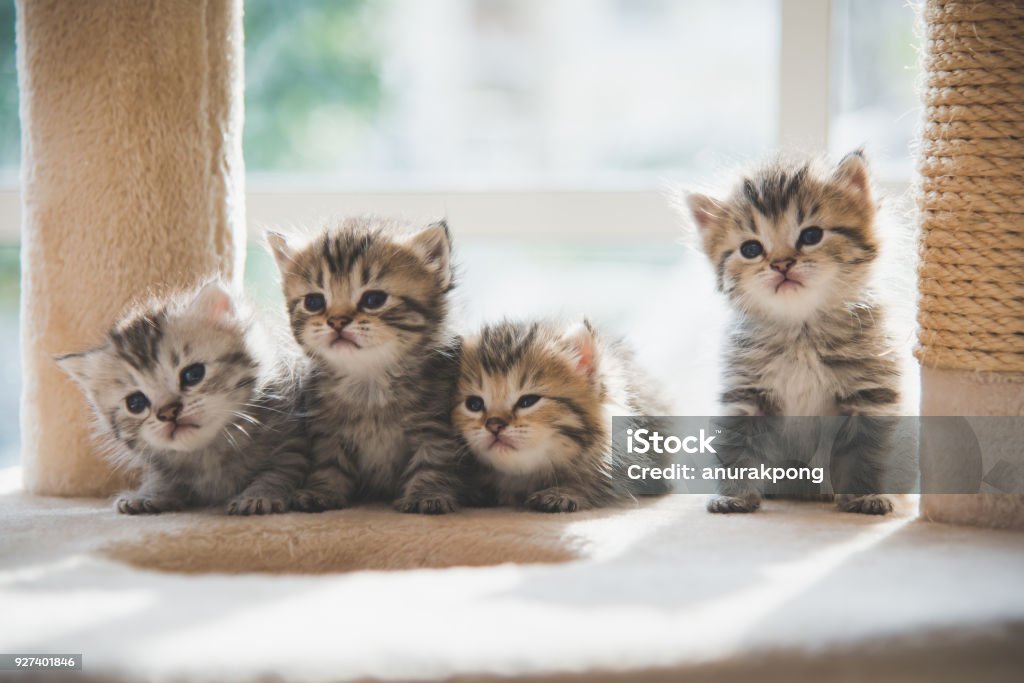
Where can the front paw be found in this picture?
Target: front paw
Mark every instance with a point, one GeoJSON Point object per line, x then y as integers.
{"type": "Point", "coordinates": [872, 504]}
{"type": "Point", "coordinates": [132, 504]}
{"type": "Point", "coordinates": [730, 504]}
{"type": "Point", "coordinates": [257, 504]}
{"type": "Point", "coordinates": [552, 500]}
{"type": "Point", "coordinates": [426, 504]}
{"type": "Point", "coordinates": [308, 500]}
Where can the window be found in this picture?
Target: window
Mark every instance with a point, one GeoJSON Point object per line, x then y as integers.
{"type": "Point", "coordinates": [875, 73]}
{"type": "Point", "coordinates": [493, 93]}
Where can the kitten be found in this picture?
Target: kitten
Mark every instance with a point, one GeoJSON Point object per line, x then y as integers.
{"type": "Point", "coordinates": [534, 404]}
{"type": "Point", "coordinates": [368, 302]}
{"type": "Point", "coordinates": [792, 248]}
{"type": "Point", "coordinates": [189, 392]}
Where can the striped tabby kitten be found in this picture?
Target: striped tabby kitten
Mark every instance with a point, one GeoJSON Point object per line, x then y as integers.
{"type": "Point", "coordinates": [189, 392]}
{"type": "Point", "coordinates": [792, 248]}
{"type": "Point", "coordinates": [368, 302]}
{"type": "Point", "coordinates": [534, 404]}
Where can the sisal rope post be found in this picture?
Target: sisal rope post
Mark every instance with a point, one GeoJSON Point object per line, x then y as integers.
{"type": "Point", "coordinates": [971, 201]}
{"type": "Point", "coordinates": [971, 311]}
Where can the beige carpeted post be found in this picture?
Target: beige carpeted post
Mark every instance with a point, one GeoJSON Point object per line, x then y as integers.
{"type": "Point", "coordinates": [972, 237]}
{"type": "Point", "coordinates": [132, 180]}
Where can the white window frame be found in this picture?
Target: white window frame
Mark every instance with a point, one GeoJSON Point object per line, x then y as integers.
{"type": "Point", "coordinates": [569, 215]}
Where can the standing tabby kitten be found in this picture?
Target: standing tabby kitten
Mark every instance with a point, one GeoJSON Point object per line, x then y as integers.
{"type": "Point", "coordinates": [189, 392]}
{"type": "Point", "coordinates": [534, 404]}
{"type": "Point", "coordinates": [792, 248]}
{"type": "Point", "coordinates": [368, 302]}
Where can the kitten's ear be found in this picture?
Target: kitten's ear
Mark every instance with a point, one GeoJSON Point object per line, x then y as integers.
{"type": "Point", "coordinates": [213, 302]}
{"type": "Point", "coordinates": [434, 245]}
{"type": "Point", "coordinates": [81, 367]}
{"type": "Point", "coordinates": [705, 210]}
{"type": "Point", "coordinates": [852, 171]}
{"type": "Point", "coordinates": [283, 252]}
{"type": "Point", "coordinates": [581, 341]}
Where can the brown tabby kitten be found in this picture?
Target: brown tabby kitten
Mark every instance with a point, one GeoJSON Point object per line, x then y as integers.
{"type": "Point", "coordinates": [792, 248]}
{"type": "Point", "coordinates": [368, 302]}
{"type": "Point", "coordinates": [534, 404]}
{"type": "Point", "coordinates": [190, 392]}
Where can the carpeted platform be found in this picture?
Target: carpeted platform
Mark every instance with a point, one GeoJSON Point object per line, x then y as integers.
{"type": "Point", "coordinates": [653, 590]}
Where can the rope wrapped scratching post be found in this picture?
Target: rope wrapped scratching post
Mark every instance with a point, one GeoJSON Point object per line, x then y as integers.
{"type": "Point", "coordinates": [971, 200]}
{"type": "Point", "coordinates": [972, 196]}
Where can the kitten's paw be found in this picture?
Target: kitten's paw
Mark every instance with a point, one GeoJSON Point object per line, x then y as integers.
{"type": "Point", "coordinates": [266, 504]}
{"type": "Point", "coordinates": [728, 504]}
{"type": "Point", "coordinates": [872, 504]}
{"type": "Point", "coordinates": [550, 500]}
{"type": "Point", "coordinates": [427, 505]}
{"type": "Point", "coordinates": [308, 500]}
{"type": "Point", "coordinates": [139, 505]}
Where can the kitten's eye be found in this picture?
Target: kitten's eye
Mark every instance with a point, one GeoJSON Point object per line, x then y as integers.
{"type": "Point", "coordinates": [136, 402]}
{"type": "Point", "coordinates": [751, 249]}
{"type": "Point", "coordinates": [192, 375]}
{"type": "Point", "coordinates": [474, 404]}
{"type": "Point", "coordinates": [527, 400]}
{"type": "Point", "coordinates": [809, 236]}
{"type": "Point", "coordinates": [372, 299]}
{"type": "Point", "coordinates": [315, 303]}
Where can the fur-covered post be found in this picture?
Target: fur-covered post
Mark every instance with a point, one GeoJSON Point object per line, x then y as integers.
{"type": "Point", "coordinates": [971, 342]}
{"type": "Point", "coordinates": [132, 180]}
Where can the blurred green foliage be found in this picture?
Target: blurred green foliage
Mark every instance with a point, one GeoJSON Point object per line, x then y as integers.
{"type": "Point", "coordinates": [312, 81]}
{"type": "Point", "coordinates": [10, 136]}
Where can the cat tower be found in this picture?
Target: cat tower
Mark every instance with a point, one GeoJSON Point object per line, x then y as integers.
{"type": "Point", "coordinates": [971, 276]}
{"type": "Point", "coordinates": [131, 117]}
{"type": "Point", "coordinates": [134, 176]}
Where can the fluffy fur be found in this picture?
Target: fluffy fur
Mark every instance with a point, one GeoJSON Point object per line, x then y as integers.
{"type": "Point", "coordinates": [535, 404]}
{"type": "Point", "coordinates": [792, 248]}
{"type": "Point", "coordinates": [368, 302]}
{"type": "Point", "coordinates": [191, 393]}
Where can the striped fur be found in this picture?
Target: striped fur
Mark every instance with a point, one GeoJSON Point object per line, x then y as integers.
{"type": "Point", "coordinates": [237, 440]}
{"type": "Point", "coordinates": [377, 397]}
{"type": "Point", "coordinates": [555, 455]}
{"type": "Point", "coordinates": [810, 340]}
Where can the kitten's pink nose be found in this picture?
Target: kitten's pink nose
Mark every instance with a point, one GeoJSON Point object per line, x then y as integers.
{"type": "Point", "coordinates": [338, 322]}
{"type": "Point", "coordinates": [495, 425]}
{"type": "Point", "coordinates": [170, 412]}
{"type": "Point", "coordinates": [783, 265]}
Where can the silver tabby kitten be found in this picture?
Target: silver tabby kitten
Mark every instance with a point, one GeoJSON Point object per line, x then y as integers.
{"type": "Point", "coordinates": [368, 302]}
{"type": "Point", "coordinates": [535, 406]}
{"type": "Point", "coordinates": [190, 392]}
{"type": "Point", "coordinates": [792, 248]}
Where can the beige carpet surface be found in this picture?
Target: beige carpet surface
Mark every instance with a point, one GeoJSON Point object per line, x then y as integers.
{"type": "Point", "coordinates": [661, 587]}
